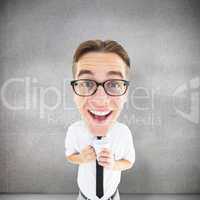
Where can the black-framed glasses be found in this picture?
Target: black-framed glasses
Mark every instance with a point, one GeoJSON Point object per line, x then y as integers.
{"type": "Point", "coordinates": [112, 87]}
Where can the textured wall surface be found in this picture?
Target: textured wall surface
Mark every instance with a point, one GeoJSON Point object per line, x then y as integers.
{"type": "Point", "coordinates": [37, 41]}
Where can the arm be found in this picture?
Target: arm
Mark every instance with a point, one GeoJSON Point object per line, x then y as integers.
{"type": "Point", "coordinates": [86, 155]}
{"type": "Point", "coordinates": [127, 159]}
{"type": "Point", "coordinates": [122, 165]}
{"type": "Point", "coordinates": [106, 159]}
{"type": "Point", "coordinates": [75, 158]}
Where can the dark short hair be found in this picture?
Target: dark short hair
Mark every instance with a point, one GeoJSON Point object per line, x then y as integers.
{"type": "Point", "coordinates": [107, 46]}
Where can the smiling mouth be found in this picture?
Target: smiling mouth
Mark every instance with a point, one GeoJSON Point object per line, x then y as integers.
{"type": "Point", "coordinates": [99, 116]}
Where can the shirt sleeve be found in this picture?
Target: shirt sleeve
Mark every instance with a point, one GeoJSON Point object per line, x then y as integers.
{"type": "Point", "coordinates": [129, 150]}
{"type": "Point", "coordinates": [70, 142]}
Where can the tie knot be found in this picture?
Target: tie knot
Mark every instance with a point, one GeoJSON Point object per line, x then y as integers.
{"type": "Point", "coordinates": [99, 137]}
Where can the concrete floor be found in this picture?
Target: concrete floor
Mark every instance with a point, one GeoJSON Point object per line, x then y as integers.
{"type": "Point", "coordinates": [123, 197]}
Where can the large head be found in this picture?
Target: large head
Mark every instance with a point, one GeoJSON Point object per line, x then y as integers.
{"type": "Point", "coordinates": [100, 71]}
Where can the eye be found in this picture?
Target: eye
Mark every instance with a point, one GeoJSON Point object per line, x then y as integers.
{"type": "Point", "coordinates": [114, 84]}
{"type": "Point", "coordinates": [88, 83]}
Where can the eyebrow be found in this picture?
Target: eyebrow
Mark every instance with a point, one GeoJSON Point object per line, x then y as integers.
{"type": "Point", "coordinates": [88, 72]}
{"type": "Point", "coordinates": [118, 73]}
{"type": "Point", "coordinates": [84, 71]}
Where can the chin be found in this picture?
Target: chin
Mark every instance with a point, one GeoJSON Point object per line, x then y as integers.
{"type": "Point", "coordinates": [99, 123]}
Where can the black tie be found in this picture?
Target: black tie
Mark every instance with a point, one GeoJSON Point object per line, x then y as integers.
{"type": "Point", "coordinates": [99, 177]}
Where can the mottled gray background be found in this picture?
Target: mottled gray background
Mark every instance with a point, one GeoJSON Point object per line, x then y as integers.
{"type": "Point", "coordinates": [37, 41]}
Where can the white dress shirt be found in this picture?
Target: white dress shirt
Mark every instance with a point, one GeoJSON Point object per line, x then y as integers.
{"type": "Point", "coordinates": [121, 144]}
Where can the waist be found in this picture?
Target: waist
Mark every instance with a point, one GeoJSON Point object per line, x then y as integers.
{"type": "Point", "coordinates": [110, 198]}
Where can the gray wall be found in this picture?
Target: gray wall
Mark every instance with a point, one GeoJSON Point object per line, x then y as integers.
{"type": "Point", "coordinates": [37, 41]}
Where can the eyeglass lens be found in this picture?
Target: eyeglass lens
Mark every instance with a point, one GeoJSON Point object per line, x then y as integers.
{"type": "Point", "coordinates": [111, 87]}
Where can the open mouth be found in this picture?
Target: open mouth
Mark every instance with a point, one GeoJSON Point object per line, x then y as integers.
{"type": "Point", "coordinates": [99, 116]}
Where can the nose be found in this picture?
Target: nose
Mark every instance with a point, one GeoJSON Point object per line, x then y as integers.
{"type": "Point", "coordinates": [100, 93]}
{"type": "Point", "coordinates": [100, 99]}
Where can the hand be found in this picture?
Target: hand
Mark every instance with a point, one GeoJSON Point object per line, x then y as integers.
{"type": "Point", "coordinates": [106, 158]}
{"type": "Point", "coordinates": [88, 154]}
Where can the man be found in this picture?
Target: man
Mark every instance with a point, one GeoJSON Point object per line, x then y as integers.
{"type": "Point", "coordinates": [100, 85]}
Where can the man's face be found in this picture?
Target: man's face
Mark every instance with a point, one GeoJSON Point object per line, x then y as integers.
{"type": "Point", "coordinates": [100, 110]}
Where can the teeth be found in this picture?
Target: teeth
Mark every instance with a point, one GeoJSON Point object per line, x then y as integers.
{"type": "Point", "coordinates": [99, 113]}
